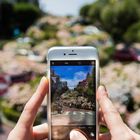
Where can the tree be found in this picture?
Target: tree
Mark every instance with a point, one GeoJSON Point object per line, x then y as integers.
{"type": "Point", "coordinates": [6, 20]}
{"type": "Point", "coordinates": [35, 2]}
{"type": "Point", "coordinates": [115, 17]}
{"type": "Point", "coordinates": [25, 15]}
{"type": "Point", "coordinates": [16, 17]}
{"type": "Point", "coordinates": [84, 10]}
{"type": "Point", "coordinates": [133, 33]}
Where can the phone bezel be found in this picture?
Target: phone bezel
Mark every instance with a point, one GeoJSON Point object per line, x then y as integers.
{"type": "Point", "coordinates": [62, 53]}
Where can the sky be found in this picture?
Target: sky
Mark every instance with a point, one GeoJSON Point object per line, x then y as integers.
{"type": "Point", "coordinates": [63, 7]}
{"type": "Point", "coordinates": [72, 74]}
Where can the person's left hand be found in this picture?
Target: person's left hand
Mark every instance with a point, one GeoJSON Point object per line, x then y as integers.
{"type": "Point", "coordinates": [24, 129]}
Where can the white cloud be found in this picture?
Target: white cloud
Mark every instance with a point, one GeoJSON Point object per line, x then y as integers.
{"type": "Point", "coordinates": [78, 76]}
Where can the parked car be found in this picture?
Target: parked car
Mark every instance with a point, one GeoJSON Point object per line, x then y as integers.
{"type": "Point", "coordinates": [127, 54]}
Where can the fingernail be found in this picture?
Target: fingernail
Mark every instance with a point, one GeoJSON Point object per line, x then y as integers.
{"type": "Point", "coordinates": [76, 135]}
{"type": "Point", "coordinates": [43, 79]}
{"type": "Point", "coordinates": [102, 90]}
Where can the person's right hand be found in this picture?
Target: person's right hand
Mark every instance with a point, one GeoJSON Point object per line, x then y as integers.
{"type": "Point", "coordinates": [110, 117]}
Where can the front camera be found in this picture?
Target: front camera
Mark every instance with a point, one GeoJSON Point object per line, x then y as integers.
{"type": "Point", "coordinates": [64, 54]}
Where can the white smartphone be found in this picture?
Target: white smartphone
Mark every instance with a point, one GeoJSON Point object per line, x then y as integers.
{"type": "Point", "coordinates": [73, 74]}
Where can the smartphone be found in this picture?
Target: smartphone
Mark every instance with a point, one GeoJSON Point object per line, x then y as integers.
{"type": "Point", "coordinates": [73, 74]}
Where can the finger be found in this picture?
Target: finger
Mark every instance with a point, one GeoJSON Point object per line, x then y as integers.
{"type": "Point", "coordinates": [105, 136]}
{"type": "Point", "coordinates": [101, 118]}
{"type": "Point", "coordinates": [40, 132]}
{"type": "Point", "coordinates": [30, 110]}
{"type": "Point", "coordinates": [76, 135]}
{"type": "Point", "coordinates": [111, 116]}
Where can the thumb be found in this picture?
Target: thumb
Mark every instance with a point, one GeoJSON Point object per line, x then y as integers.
{"type": "Point", "coordinates": [76, 135]}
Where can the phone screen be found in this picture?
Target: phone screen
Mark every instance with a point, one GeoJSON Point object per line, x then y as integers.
{"type": "Point", "coordinates": [73, 98]}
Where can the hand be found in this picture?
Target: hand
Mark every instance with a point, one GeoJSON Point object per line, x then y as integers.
{"type": "Point", "coordinates": [24, 129]}
{"type": "Point", "coordinates": [110, 117]}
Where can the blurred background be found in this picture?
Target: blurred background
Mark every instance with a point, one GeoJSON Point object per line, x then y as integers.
{"type": "Point", "coordinates": [28, 28]}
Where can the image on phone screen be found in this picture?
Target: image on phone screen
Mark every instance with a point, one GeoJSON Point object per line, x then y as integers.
{"type": "Point", "coordinates": [73, 98]}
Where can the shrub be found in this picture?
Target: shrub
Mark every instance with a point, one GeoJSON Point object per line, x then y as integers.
{"type": "Point", "coordinates": [50, 31]}
{"type": "Point", "coordinates": [35, 33]}
{"type": "Point", "coordinates": [14, 115]}
{"type": "Point", "coordinates": [33, 83]}
{"type": "Point", "coordinates": [42, 32]}
{"type": "Point", "coordinates": [103, 129]}
{"type": "Point", "coordinates": [37, 120]}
